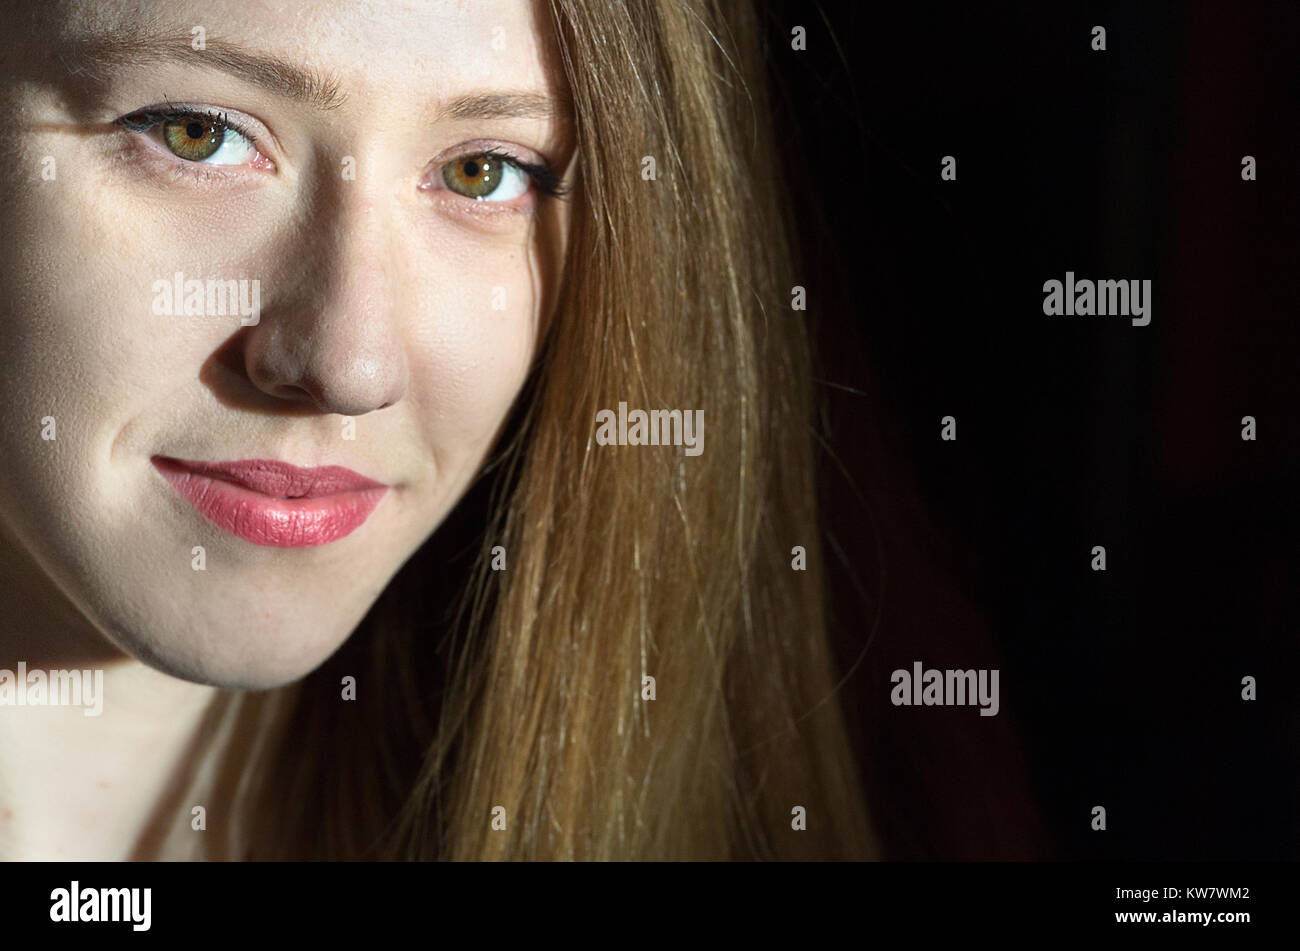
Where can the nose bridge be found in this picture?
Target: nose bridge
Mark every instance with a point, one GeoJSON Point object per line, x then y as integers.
{"type": "Point", "coordinates": [335, 339]}
{"type": "Point", "coordinates": [360, 231]}
{"type": "Point", "coordinates": [355, 275]}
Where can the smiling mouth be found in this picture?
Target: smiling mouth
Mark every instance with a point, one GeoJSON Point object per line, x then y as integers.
{"type": "Point", "coordinates": [272, 503]}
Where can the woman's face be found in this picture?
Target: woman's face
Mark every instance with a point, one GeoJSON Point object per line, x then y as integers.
{"type": "Point", "coordinates": [247, 241]}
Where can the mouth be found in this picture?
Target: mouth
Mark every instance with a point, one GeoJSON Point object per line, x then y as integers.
{"type": "Point", "coordinates": [273, 503]}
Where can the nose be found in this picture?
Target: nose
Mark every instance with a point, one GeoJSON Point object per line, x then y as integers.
{"type": "Point", "coordinates": [332, 337]}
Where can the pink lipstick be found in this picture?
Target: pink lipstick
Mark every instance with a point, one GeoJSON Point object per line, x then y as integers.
{"type": "Point", "coordinates": [273, 503]}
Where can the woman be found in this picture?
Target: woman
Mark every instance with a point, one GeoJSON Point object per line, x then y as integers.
{"type": "Point", "coordinates": [316, 322]}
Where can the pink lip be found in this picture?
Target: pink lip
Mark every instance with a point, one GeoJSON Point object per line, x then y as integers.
{"type": "Point", "coordinates": [273, 503]}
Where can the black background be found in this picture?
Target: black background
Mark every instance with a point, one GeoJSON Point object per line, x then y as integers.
{"type": "Point", "coordinates": [1119, 688]}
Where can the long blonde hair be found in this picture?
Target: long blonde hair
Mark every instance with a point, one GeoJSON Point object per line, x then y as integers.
{"type": "Point", "coordinates": [623, 562]}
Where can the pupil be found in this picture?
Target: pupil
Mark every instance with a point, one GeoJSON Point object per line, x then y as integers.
{"type": "Point", "coordinates": [194, 130]}
{"type": "Point", "coordinates": [472, 168]}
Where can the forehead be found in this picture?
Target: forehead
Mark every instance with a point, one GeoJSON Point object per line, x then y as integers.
{"type": "Point", "coordinates": [436, 46]}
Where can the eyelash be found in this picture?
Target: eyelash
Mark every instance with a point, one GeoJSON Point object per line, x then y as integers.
{"type": "Point", "coordinates": [542, 176]}
{"type": "Point", "coordinates": [147, 119]}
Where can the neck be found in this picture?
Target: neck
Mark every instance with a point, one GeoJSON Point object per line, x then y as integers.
{"type": "Point", "coordinates": [94, 746]}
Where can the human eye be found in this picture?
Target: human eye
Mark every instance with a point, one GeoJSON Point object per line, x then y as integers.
{"type": "Point", "coordinates": [201, 137]}
{"type": "Point", "coordinates": [495, 175]}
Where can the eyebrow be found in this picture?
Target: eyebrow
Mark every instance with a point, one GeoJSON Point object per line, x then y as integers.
{"type": "Point", "coordinates": [516, 105]}
{"type": "Point", "coordinates": [97, 54]}
{"type": "Point", "coordinates": [143, 47]}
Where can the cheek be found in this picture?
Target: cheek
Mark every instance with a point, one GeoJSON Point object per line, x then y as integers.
{"type": "Point", "coordinates": [80, 343]}
{"type": "Point", "coordinates": [82, 337]}
{"type": "Point", "coordinates": [475, 337]}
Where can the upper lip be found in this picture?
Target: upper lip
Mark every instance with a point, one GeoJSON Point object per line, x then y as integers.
{"type": "Point", "coordinates": [276, 479]}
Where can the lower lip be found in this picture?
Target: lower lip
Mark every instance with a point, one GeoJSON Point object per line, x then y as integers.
{"type": "Point", "coordinates": [264, 520]}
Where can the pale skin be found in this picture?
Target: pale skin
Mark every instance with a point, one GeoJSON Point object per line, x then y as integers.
{"type": "Point", "coordinates": [387, 299]}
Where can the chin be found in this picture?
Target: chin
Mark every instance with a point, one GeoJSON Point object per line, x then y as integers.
{"type": "Point", "coordinates": [225, 648]}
